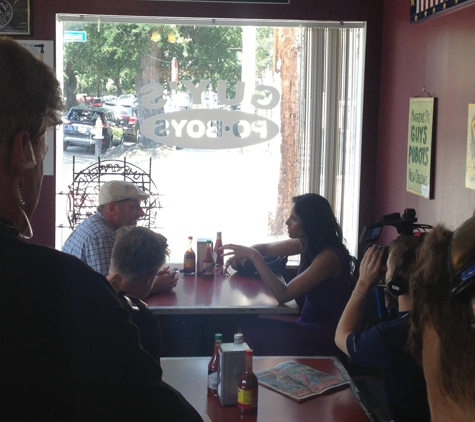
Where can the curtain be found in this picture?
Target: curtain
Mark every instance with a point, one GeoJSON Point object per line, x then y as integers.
{"type": "Point", "coordinates": [330, 127]}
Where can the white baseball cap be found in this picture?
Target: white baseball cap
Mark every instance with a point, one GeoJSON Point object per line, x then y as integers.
{"type": "Point", "coordinates": [119, 190]}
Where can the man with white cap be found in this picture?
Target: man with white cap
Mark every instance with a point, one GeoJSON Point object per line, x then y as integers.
{"type": "Point", "coordinates": [92, 240]}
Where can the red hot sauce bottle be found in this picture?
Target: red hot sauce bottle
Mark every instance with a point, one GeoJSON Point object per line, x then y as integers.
{"type": "Point", "coordinates": [213, 367]}
{"type": "Point", "coordinates": [218, 255]}
{"type": "Point", "coordinates": [248, 388]}
{"type": "Point", "coordinates": [207, 266]}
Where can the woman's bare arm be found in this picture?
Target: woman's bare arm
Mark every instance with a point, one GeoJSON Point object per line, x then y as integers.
{"type": "Point", "coordinates": [325, 265]}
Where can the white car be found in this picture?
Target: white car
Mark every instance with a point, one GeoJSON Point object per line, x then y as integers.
{"type": "Point", "coordinates": [127, 100]}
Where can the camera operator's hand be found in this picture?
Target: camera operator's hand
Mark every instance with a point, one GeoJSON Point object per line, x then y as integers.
{"type": "Point", "coordinates": [370, 268]}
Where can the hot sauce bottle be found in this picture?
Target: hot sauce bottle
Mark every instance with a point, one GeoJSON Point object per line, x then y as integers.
{"type": "Point", "coordinates": [213, 366]}
{"type": "Point", "coordinates": [189, 260]}
{"type": "Point", "coordinates": [218, 255]}
{"type": "Point", "coordinates": [207, 266]}
{"type": "Point", "coordinates": [248, 388]}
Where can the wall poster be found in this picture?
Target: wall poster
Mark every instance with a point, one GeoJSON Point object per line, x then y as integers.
{"type": "Point", "coordinates": [15, 17]}
{"type": "Point", "coordinates": [419, 146]}
{"type": "Point", "coordinates": [470, 168]}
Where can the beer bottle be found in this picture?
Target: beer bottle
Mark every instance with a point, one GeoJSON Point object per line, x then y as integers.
{"type": "Point", "coordinates": [207, 266]}
{"type": "Point", "coordinates": [189, 261]}
{"type": "Point", "coordinates": [248, 388]}
{"type": "Point", "coordinates": [218, 255]}
{"type": "Point", "coordinates": [213, 367]}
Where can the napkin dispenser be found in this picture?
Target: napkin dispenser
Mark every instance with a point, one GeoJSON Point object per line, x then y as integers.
{"type": "Point", "coordinates": [201, 251]}
{"type": "Point", "coordinates": [232, 364]}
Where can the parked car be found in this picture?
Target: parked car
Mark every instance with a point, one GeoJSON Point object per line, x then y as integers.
{"type": "Point", "coordinates": [127, 100]}
{"type": "Point", "coordinates": [127, 116]}
{"type": "Point", "coordinates": [106, 99]}
{"type": "Point", "coordinates": [79, 127]}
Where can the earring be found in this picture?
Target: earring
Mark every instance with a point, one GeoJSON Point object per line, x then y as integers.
{"type": "Point", "coordinates": [17, 193]}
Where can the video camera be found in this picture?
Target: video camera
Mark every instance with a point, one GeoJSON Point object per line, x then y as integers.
{"type": "Point", "coordinates": [405, 225]}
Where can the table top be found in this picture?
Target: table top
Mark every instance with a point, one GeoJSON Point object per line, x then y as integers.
{"type": "Point", "coordinates": [189, 376]}
{"type": "Point", "coordinates": [221, 294]}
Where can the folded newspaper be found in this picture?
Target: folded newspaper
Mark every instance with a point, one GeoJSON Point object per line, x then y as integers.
{"type": "Point", "coordinates": [298, 381]}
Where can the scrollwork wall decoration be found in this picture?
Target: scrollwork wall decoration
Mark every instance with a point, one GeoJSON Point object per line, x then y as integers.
{"type": "Point", "coordinates": [84, 190]}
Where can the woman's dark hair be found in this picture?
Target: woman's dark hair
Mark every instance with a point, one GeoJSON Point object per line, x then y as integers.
{"type": "Point", "coordinates": [319, 224]}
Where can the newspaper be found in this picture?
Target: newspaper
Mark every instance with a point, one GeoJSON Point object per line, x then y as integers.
{"type": "Point", "coordinates": [298, 381]}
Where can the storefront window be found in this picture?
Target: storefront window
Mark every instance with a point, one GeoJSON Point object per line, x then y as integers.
{"type": "Point", "coordinates": [237, 119]}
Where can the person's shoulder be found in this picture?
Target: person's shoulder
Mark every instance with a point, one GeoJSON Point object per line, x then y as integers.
{"type": "Point", "coordinates": [43, 267]}
{"type": "Point", "coordinates": [390, 331]}
{"type": "Point", "coordinates": [62, 262]}
{"type": "Point", "coordinates": [132, 303]}
{"type": "Point", "coordinates": [95, 220]}
{"type": "Point", "coordinates": [95, 226]}
{"type": "Point", "coordinates": [338, 252]}
{"type": "Point", "coordinates": [328, 256]}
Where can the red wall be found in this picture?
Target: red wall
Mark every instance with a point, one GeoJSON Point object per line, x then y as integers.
{"type": "Point", "coordinates": [43, 27]}
{"type": "Point", "coordinates": [438, 54]}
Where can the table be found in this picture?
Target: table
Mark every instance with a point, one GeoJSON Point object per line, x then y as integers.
{"type": "Point", "coordinates": [189, 376]}
{"type": "Point", "coordinates": [199, 307]}
{"type": "Point", "coordinates": [219, 295]}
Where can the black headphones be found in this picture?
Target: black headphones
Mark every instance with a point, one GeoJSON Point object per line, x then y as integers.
{"type": "Point", "coordinates": [397, 284]}
{"type": "Point", "coordinates": [462, 266]}
{"type": "Point", "coordinates": [462, 281]}
{"type": "Point", "coordinates": [463, 284]}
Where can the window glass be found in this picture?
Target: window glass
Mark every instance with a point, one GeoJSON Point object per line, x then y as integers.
{"type": "Point", "coordinates": [220, 112]}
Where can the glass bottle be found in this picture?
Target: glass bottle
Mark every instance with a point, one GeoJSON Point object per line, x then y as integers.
{"type": "Point", "coordinates": [213, 367]}
{"type": "Point", "coordinates": [218, 255]}
{"type": "Point", "coordinates": [248, 388]}
{"type": "Point", "coordinates": [207, 266]}
{"type": "Point", "coordinates": [189, 260]}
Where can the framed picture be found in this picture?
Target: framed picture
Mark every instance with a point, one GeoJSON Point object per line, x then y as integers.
{"type": "Point", "coordinates": [470, 167]}
{"type": "Point", "coordinates": [234, 1]}
{"type": "Point", "coordinates": [419, 146]}
{"type": "Point", "coordinates": [15, 17]}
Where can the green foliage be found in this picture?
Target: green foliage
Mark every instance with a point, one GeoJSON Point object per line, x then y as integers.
{"type": "Point", "coordinates": [211, 52]}
{"type": "Point", "coordinates": [264, 50]}
{"type": "Point", "coordinates": [111, 53]}
{"type": "Point", "coordinates": [115, 57]}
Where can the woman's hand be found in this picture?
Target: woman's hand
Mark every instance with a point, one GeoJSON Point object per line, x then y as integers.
{"type": "Point", "coordinates": [238, 254]}
{"type": "Point", "coordinates": [370, 267]}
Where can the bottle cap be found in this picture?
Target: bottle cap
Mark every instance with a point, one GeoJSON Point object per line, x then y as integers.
{"type": "Point", "coordinates": [218, 337]}
{"type": "Point", "coordinates": [238, 338]}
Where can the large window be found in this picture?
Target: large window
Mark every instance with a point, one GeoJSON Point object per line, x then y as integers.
{"type": "Point", "coordinates": [235, 118]}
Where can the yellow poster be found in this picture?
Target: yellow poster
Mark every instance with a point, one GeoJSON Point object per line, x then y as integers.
{"type": "Point", "coordinates": [419, 146]}
{"type": "Point", "coordinates": [470, 171]}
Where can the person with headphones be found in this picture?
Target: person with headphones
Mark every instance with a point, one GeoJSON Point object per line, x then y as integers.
{"type": "Point", "coordinates": [384, 345]}
{"type": "Point", "coordinates": [442, 335]}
